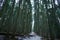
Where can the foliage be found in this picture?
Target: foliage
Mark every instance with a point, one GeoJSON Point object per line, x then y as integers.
{"type": "Point", "coordinates": [17, 17]}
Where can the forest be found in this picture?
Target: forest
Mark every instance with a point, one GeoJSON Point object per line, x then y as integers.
{"type": "Point", "coordinates": [24, 16]}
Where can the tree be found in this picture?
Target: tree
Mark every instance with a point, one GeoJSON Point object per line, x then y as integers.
{"type": "Point", "coordinates": [16, 17]}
